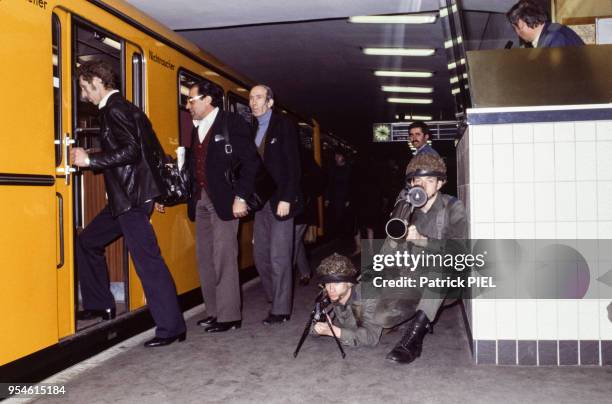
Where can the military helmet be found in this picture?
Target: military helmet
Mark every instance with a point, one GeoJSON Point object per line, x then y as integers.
{"type": "Point", "coordinates": [337, 268]}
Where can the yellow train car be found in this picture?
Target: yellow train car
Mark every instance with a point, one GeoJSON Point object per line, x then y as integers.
{"type": "Point", "coordinates": [44, 202]}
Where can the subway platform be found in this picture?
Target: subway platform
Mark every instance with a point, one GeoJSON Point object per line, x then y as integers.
{"type": "Point", "coordinates": [256, 364]}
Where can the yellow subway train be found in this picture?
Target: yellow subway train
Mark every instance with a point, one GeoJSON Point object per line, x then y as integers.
{"type": "Point", "coordinates": [44, 202]}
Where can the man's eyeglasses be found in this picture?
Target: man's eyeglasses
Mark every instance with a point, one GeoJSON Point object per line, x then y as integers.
{"type": "Point", "coordinates": [191, 100]}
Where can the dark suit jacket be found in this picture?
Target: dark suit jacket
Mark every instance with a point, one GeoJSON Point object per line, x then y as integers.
{"type": "Point", "coordinates": [130, 151]}
{"type": "Point", "coordinates": [217, 162]}
{"type": "Point", "coordinates": [282, 160]}
{"type": "Point", "coordinates": [556, 36]}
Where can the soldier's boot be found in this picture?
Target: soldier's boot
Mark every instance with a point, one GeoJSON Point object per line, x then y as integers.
{"type": "Point", "coordinates": [410, 346]}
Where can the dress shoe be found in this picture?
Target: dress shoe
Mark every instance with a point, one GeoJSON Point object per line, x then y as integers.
{"type": "Point", "coordinates": [160, 341]}
{"type": "Point", "coordinates": [205, 322]}
{"type": "Point", "coordinates": [106, 314]}
{"type": "Point", "coordinates": [276, 319]}
{"type": "Point", "coordinates": [410, 346]}
{"type": "Point", "coordinates": [223, 326]}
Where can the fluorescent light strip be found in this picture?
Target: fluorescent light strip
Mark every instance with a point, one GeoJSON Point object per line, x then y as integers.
{"type": "Point", "coordinates": [394, 19]}
{"type": "Point", "coordinates": [454, 80]}
{"type": "Point", "coordinates": [112, 43]}
{"type": "Point", "coordinates": [455, 91]}
{"type": "Point", "coordinates": [444, 11]}
{"type": "Point", "coordinates": [449, 43]}
{"type": "Point", "coordinates": [241, 90]}
{"type": "Point", "coordinates": [403, 89]}
{"type": "Point", "coordinates": [398, 52]}
{"type": "Point", "coordinates": [418, 117]}
{"type": "Point", "coordinates": [453, 65]}
{"type": "Point", "coordinates": [410, 100]}
{"type": "Point", "coordinates": [392, 73]}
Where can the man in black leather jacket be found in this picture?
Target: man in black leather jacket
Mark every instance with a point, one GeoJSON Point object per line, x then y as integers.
{"type": "Point", "coordinates": [126, 160]}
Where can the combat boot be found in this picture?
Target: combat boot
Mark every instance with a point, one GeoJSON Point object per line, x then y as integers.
{"type": "Point", "coordinates": [410, 346]}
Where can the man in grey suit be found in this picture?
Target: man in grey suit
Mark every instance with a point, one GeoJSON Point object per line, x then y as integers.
{"type": "Point", "coordinates": [276, 139]}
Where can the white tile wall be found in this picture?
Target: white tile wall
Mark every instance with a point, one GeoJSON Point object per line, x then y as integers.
{"type": "Point", "coordinates": [527, 319]}
{"type": "Point", "coordinates": [568, 319]}
{"type": "Point", "coordinates": [586, 161]}
{"type": "Point", "coordinates": [505, 319]}
{"type": "Point", "coordinates": [604, 200]}
{"type": "Point", "coordinates": [564, 132]}
{"type": "Point", "coordinates": [481, 164]}
{"type": "Point", "coordinates": [544, 161]}
{"type": "Point", "coordinates": [565, 197]}
{"type": "Point", "coordinates": [502, 134]}
{"type": "Point", "coordinates": [565, 161]}
{"type": "Point", "coordinates": [543, 133]}
{"type": "Point", "coordinates": [545, 202]}
{"type": "Point", "coordinates": [542, 181]}
{"type": "Point", "coordinates": [484, 315]}
{"type": "Point", "coordinates": [522, 133]}
{"type": "Point", "coordinates": [503, 163]}
{"type": "Point", "coordinates": [604, 160]}
{"type": "Point", "coordinates": [604, 130]}
{"type": "Point", "coordinates": [588, 319]}
{"type": "Point", "coordinates": [523, 162]}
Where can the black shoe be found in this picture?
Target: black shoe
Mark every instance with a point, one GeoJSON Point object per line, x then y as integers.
{"type": "Point", "coordinates": [159, 341]}
{"type": "Point", "coordinates": [276, 319]}
{"type": "Point", "coordinates": [107, 314]}
{"type": "Point", "coordinates": [304, 280]}
{"type": "Point", "coordinates": [205, 322]}
{"type": "Point", "coordinates": [223, 326]}
{"type": "Point", "coordinates": [410, 346]}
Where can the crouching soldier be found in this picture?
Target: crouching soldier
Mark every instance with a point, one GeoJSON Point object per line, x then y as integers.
{"type": "Point", "coordinates": [353, 318]}
{"type": "Point", "coordinates": [440, 223]}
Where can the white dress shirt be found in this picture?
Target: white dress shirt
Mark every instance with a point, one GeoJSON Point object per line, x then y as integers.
{"type": "Point", "coordinates": [205, 123]}
{"type": "Point", "coordinates": [104, 100]}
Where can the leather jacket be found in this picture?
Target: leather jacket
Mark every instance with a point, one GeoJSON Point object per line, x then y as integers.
{"type": "Point", "coordinates": [130, 151]}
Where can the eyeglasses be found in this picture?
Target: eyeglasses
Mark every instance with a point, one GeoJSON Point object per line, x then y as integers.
{"type": "Point", "coordinates": [191, 100]}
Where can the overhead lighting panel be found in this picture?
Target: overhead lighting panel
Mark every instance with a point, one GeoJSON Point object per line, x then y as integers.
{"type": "Point", "coordinates": [398, 51]}
{"type": "Point", "coordinates": [418, 117]}
{"type": "Point", "coordinates": [410, 100]}
{"type": "Point", "coordinates": [405, 73]}
{"type": "Point", "coordinates": [394, 19]}
{"type": "Point", "coordinates": [406, 89]}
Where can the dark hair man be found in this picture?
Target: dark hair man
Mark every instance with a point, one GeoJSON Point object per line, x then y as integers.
{"type": "Point", "coordinates": [276, 138]}
{"type": "Point", "coordinates": [419, 133]}
{"type": "Point", "coordinates": [126, 138]}
{"type": "Point", "coordinates": [354, 317]}
{"type": "Point", "coordinates": [442, 218]}
{"type": "Point", "coordinates": [217, 206]}
{"type": "Point", "coordinates": [530, 22]}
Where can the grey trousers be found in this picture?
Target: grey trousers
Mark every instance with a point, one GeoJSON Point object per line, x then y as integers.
{"type": "Point", "coordinates": [273, 254]}
{"type": "Point", "coordinates": [299, 251]}
{"type": "Point", "coordinates": [217, 251]}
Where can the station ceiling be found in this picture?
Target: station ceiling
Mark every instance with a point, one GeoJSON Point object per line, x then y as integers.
{"type": "Point", "coordinates": [312, 56]}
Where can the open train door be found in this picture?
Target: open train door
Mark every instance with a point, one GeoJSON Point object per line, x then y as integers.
{"type": "Point", "coordinates": [30, 207]}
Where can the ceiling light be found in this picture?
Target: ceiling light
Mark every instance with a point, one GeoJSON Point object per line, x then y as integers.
{"type": "Point", "coordinates": [449, 43]}
{"type": "Point", "coordinates": [418, 117]}
{"type": "Point", "coordinates": [394, 19]}
{"type": "Point", "coordinates": [398, 51]}
{"type": "Point", "coordinates": [410, 100]}
{"type": "Point", "coordinates": [242, 90]}
{"type": "Point", "coordinates": [404, 89]}
{"type": "Point", "coordinates": [393, 73]}
{"type": "Point", "coordinates": [211, 73]}
{"type": "Point", "coordinates": [185, 91]}
{"type": "Point", "coordinates": [455, 91]}
{"type": "Point", "coordinates": [453, 65]}
{"type": "Point", "coordinates": [454, 80]}
{"type": "Point", "coordinates": [112, 43]}
{"type": "Point", "coordinates": [444, 11]}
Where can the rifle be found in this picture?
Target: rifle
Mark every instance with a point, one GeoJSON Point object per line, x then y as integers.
{"type": "Point", "coordinates": [319, 314]}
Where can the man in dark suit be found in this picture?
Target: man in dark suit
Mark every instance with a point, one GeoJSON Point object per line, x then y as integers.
{"type": "Point", "coordinates": [217, 206]}
{"type": "Point", "coordinates": [126, 158]}
{"type": "Point", "coordinates": [530, 22]}
{"type": "Point", "coordinates": [276, 139]}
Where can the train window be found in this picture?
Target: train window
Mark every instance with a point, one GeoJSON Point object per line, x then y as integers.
{"type": "Point", "coordinates": [240, 106]}
{"type": "Point", "coordinates": [186, 80]}
{"type": "Point", "coordinates": [57, 87]}
{"type": "Point", "coordinates": [137, 94]}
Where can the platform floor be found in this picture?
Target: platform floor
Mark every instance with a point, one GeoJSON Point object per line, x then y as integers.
{"type": "Point", "coordinates": [255, 364]}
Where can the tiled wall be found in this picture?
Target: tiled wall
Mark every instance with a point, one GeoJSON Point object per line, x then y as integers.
{"type": "Point", "coordinates": [539, 181]}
